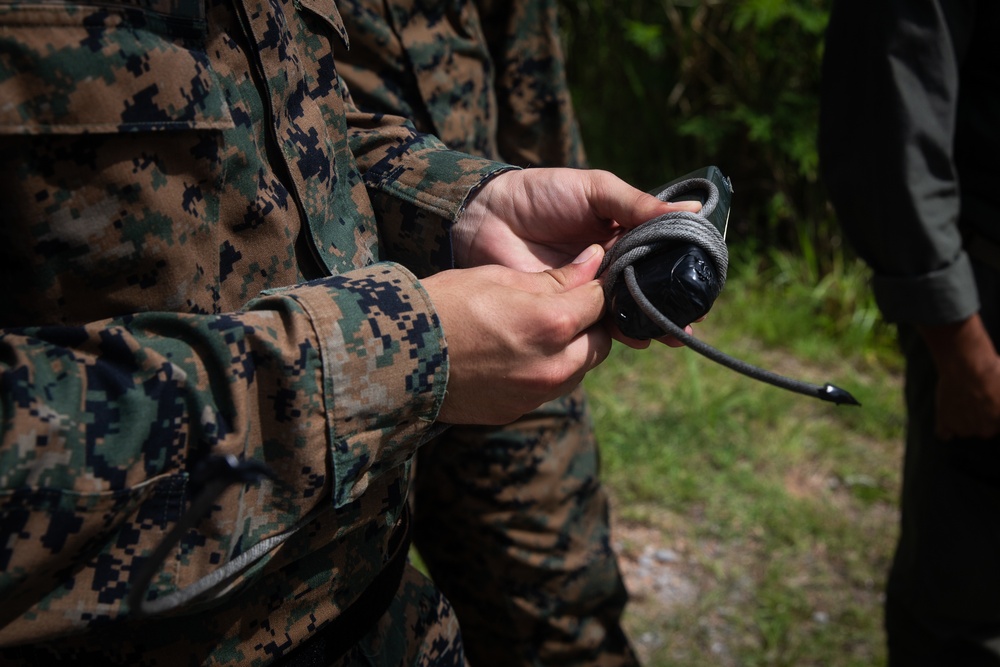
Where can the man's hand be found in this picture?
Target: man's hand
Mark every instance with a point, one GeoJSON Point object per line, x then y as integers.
{"type": "Point", "coordinates": [537, 219]}
{"type": "Point", "coordinates": [968, 391]}
{"type": "Point", "coordinates": [516, 340]}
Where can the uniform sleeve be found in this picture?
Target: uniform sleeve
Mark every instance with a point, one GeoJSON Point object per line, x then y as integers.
{"type": "Point", "coordinates": [889, 104]}
{"type": "Point", "coordinates": [229, 381]}
{"type": "Point", "coordinates": [331, 383]}
{"type": "Point", "coordinates": [146, 210]}
{"type": "Point", "coordinates": [427, 62]}
{"type": "Point", "coordinates": [418, 187]}
{"type": "Point", "coordinates": [102, 426]}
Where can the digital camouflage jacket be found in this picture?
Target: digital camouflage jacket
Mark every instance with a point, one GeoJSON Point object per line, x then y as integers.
{"type": "Point", "coordinates": [196, 222]}
{"type": "Point", "coordinates": [485, 76]}
{"type": "Point", "coordinates": [510, 522]}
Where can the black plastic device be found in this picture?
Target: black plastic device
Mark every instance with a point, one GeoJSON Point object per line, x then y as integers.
{"type": "Point", "coordinates": [681, 280]}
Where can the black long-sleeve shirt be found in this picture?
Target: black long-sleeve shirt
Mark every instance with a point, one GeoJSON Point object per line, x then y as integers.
{"type": "Point", "coordinates": [909, 137]}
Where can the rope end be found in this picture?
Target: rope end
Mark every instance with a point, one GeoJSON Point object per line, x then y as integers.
{"type": "Point", "coordinates": [829, 392]}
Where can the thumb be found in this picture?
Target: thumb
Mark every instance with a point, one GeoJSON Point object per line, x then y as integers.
{"type": "Point", "coordinates": [581, 295]}
{"type": "Point", "coordinates": [648, 207]}
{"type": "Point", "coordinates": [581, 270]}
{"type": "Point", "coordinates": [614, 199]}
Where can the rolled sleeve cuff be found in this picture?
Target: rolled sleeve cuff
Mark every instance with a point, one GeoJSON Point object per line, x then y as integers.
{"type": "Point", "coordinates": [419, 191]}
{"type": "Point", "coordinates": [385, 369]}
{"type": "Point", "coordinates": [940, 297]}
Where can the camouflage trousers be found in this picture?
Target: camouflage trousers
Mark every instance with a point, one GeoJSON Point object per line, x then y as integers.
{"type": "Point", "coordinates": [512, 524]}
{"type": "Point", "coordinates": [419, 628]}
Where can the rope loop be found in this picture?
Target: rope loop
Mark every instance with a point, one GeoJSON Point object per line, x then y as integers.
{"type": "Point", "coordinates": [674, 228]}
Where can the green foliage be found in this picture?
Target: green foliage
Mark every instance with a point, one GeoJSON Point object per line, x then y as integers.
{"type": "Point", "coordinates": [665, 87]}
{"type": "Point", "coordinates": [783, 508]}
{"type": "Point", "coordinates": [834, 303]}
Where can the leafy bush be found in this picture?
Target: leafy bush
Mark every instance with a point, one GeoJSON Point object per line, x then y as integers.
{"type": "Point", "coordinates": [665, 87]}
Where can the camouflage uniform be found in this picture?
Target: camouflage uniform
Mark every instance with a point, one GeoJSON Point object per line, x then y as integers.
{"type": "Point", "coordinates": [512, 523]}
{"type": "Point", "coordinates": [191, 267]}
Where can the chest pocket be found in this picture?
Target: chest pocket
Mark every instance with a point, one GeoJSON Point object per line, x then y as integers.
{"type": "Point", "coordinates": [114, 67]}
{"type": "Point", "coordinates": [101, 215]}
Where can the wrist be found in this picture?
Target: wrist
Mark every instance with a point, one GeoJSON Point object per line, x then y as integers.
{"type": "Point", "coordinates": [473, 213]}
{"type": "Point", "coordinates": [464, 231]}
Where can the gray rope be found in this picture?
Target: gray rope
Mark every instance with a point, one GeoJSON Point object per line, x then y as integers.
{"type": "Point", "coordinates": [676, 227]}
{"type": "Point", "coordinates": [686, 228]}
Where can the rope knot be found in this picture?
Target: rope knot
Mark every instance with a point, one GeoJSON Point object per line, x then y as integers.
{"type": "Point", "coordinates": [679, 258]}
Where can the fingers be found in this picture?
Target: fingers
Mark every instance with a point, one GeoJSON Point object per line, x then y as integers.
{"type": "Point", "coordinates": [690, 206]}
{"type": "Point", "coordinates": [614, 199]}
{"type": "Point", "coordinates": [580, 294]}
{"type": "Point", "coordinates": [590, 302]}
{"type": "Point", "coordinates": [670, 341]}
{"type": "Point", "coordinates": [516, 340]}
{"type": "Point", "coordinates": [585, 353]}
{"type": "Point", "coordinates": [634, 343]}
{"type": "Point", "coordinates": [581, 270]}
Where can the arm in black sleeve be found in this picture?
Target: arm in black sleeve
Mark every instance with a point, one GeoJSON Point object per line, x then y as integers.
{"type": "Point", "coordinates": [889, 109]}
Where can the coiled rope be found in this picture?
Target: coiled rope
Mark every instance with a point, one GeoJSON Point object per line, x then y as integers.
{"type": "Point", "coordinates": [683, 227]}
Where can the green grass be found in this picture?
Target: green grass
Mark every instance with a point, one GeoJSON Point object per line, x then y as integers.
{"type": "Point", "coordinates": [782, 508]}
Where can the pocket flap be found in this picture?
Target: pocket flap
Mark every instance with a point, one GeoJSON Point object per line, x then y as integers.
{"type": "Point", "coordinates": [104, 70]}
